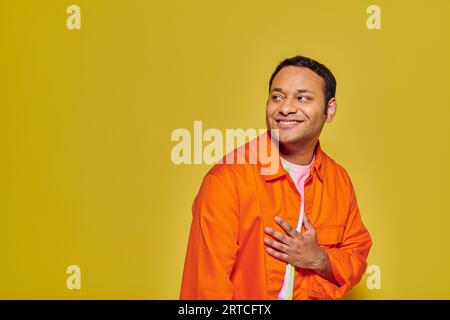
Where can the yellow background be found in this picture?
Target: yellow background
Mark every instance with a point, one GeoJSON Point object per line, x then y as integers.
{"type": "Point", "coordinates": [86, 118]}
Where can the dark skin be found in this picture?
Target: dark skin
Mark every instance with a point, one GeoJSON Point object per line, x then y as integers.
{"type": "Point", "coordinates": [296, 108]}
{"type": "Point", "coordinates": [299, 249]}
{"type": "Point", "coordinates": [297, 94]}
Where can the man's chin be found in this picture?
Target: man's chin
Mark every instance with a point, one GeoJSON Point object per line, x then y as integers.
{"type": "Point", "coordinates": [289, 142]}
{"type": "Point", "coordinates": [292, 140]}
{"type": "Point", "coordinates": [281, 136]}
{"type": "Point", "coordinates": [288, 137]}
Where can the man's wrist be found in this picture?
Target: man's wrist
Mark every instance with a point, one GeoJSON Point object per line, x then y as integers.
{"type": "Point", "coordinates": [322, 262]}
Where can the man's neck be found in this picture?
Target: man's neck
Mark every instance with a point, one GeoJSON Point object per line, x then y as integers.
{"type": "Point", "coordinates": [299, 154]}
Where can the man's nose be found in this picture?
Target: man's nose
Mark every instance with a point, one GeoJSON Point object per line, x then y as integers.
{"type": "Point", "coordinates": [287, 108]}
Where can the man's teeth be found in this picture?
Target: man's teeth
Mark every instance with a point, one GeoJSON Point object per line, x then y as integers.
{"type": "Point", "coordinates": [288, 122]}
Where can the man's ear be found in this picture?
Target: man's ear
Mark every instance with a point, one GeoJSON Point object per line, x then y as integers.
{"type": "Point", "coordinates": [331, 109]}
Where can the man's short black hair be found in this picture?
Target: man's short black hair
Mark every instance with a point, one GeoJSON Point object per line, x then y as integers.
{"type": "Point", "coordinates": [318, 68]}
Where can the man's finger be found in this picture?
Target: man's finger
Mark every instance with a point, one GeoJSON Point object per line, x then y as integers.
{"type": "Point", "coordinates": [277, 254]}
{"type": "Point", "coordinates": [277, 235]}
{"type": "Point", "coordinates": [287, 227]}
{"type": "Point", "coordinates": [277, 245]}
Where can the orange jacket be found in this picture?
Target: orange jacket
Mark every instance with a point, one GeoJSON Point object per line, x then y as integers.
{"type": "Point", "coordinates": [226, 256]}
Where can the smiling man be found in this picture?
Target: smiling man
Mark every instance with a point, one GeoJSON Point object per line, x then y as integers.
{"type": "Point", "coordinates": [296, 233]}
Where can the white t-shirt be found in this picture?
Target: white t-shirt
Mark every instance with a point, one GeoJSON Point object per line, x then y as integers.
{"type": "Point", "coordinates": [299, 174]}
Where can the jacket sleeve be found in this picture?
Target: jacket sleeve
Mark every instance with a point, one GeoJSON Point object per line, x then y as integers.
{"type": "Point", "coordinates": [213, 241]}
{"type": "Point", "coordinates": [348, 260]}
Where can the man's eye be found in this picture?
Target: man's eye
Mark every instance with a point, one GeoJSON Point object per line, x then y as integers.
{"type": "Point", "coordinates": [304, 98]}
{"type": "Point", "coordinates": [276, 97]}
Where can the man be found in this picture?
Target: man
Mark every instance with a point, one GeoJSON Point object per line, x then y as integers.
{"type": "Point", "coordinates": [293, 234]}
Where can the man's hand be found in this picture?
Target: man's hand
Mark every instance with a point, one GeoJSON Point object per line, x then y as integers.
{"type": "Point", "coordinates": [300, 250]}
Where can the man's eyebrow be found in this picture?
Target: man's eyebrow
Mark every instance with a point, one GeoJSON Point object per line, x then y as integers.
{"type": "Point", "coordinates": [303, 91]}
{"type": "Point", "coordinates": [297, 91]}
{"type": "Point", "coordinates": [276, 89]}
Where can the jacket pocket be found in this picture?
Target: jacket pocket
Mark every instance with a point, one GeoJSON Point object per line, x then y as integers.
{"type": "Point", "coordinates": [330, 235]}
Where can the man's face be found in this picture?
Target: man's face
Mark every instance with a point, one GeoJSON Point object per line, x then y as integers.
{"type": "Point", "coordinates": [296, 105]}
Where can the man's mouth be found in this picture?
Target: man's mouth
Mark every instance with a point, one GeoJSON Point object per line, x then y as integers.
{"type": "Point", "coordinates": [287, 124]}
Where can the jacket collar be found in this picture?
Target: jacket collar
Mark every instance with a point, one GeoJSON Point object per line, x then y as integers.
{"type": "Point", "coordinates": [318, 165]}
